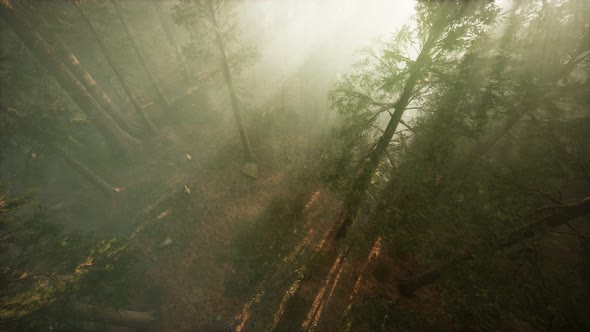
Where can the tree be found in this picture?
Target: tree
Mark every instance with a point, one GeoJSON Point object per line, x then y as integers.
{"type": "Point", "coordinates": [466, 190]}
{"type": "Point", "coordinates": [167, 29]}
{"type": "Point", "coordinates": [161, 98]}
{"type": "Point", "coordinates": [210, 24]}
{"type": "Point", "coordinates": [392, 80]}
{"type": "Point", "coordinates": [25, 126]}
{"type": "Point", "coordinates": [115, 136]}
{"type": "Point", "coordinates": [46, 269]}
{"type": "Point", "coordinates": [74, 65]}
{"type": "Point", "coordinates": [552, 216]}
{"type": "Point", "coordinates": [126, 87]}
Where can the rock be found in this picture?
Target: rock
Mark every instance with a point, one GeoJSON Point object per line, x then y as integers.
{"type": "Point", "coordinates": [250, 169]}
{"type": "Point", "coordinates": [168, 241]}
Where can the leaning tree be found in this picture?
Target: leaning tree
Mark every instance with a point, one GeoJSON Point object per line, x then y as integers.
{"type": "Point", "coordinates": [214, 31]}
{"type": "Point", "coordinates": [50, 58]}
{"type": "Point", "coordinates": [397, 75]}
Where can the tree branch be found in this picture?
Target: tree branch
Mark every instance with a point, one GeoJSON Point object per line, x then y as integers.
{"type": "Point", "coordinates": [407, 126]}
{"type": "Point", "coordinates": [561, 214]}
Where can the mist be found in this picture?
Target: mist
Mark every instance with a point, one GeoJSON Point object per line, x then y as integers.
{"type": "Point", "coordinates": [337, 165]}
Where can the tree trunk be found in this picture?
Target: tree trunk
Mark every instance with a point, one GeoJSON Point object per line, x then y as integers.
{"type": "Point", "coordinates": [161, 99]}
{"type": "Point", "coordinates": [136, 319]}
{"type": "Point", "coordinates": [86, 172]}
{"type": "Point", "coordinates": [126, 87]}
{"type": "Point", "coordinates": [560, 215]}
{"type": "Point", "coordinates": [357, 194]}
{"type": "Point", "coordinates": [74, 65]}
{"type": "Point", "coordinates": [115, 136]}
{"type": "Point", "coordinates": [48, 138]}
{"type": "Point", "coordinates": [165, 24]}
{"type": "Point", "coordinates": [230, 85]}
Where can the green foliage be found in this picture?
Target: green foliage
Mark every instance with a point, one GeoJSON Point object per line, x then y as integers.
{"type": "Point", "coordinates": [434, 55]}
{"type": "Point", "coordinates": [45, 269]}
{"type": "Point", "coordinates": [499, 128]}
{"type": "Point", "coordinates": [201, 24]}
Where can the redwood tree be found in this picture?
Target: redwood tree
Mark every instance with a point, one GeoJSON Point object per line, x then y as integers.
{"type": "Point", "coordinates": [214, 18]}
{"type": "Point", "coordinates": [115, 136]}
{"type": "Point", "coordinates": [393, 79]}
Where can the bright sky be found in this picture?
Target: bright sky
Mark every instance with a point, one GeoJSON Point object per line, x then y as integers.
{"type": "Point", "coordinates": [327, 33]}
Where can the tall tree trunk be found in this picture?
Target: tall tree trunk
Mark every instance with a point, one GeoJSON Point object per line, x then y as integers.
{"type": "Point", "coordinates": [230, 85]}
{"type": "Point", "coordinates": [48, 138]}
{"type": "Point", "coordinates": [487, 100]}
{"type": "Point", "coordinates": [126, 87]}
{"type": "Point", "coordinates": [105, 187]}
{"type": "Point", "coordinates": [115, 136]}
{"type": "Point", "coordinates": [74, 65]}
{"type": "Point", "coordinates": [161, 98]}
{"type": "Point", "coordinates": [356, 195]}
{"type": "Point", "coordinates": [165, 24]}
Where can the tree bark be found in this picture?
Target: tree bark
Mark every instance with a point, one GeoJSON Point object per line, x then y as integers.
{"type": "Point", "coordinates": [560, 214]}
{"type": "Point", "coordinates": [113, 134]}
{"type": "Point", "coordinates": [161, 98]}
{"type": "Point", "coordinates": [74, 65]}
{"type": "Point", "coordinates": [126, 87]}
{"type": "Point", "coordinates": [230, 85]}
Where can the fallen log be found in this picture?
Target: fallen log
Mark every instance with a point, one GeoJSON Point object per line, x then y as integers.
{"type": "Point", "coordinates": [129, 318]}
{"type": "Point", "coordinates": [105, 187]}
{"type": "Point", "coordinates": [547, 217]}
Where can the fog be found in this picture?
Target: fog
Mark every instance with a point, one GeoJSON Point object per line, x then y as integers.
{"type": "Point", "coordinates": [326, 36]}
{"type": "Point", "coordinates": [294, 165]}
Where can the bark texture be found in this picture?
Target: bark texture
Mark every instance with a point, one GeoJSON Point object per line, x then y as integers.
{"type": "Point", "coordinates": [49, 138]}
{"type": "Point", "coordinates": [357, 194]}
{"type": "Point", "coordinates": [124, 83]}
{"type": "Point", "coordinates": [113, 134]}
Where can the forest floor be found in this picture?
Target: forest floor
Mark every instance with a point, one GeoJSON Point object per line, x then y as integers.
{"type": "Point", "coordinates": [227, 251]}
{"type": "Point", "coordinates": [215, 250]}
